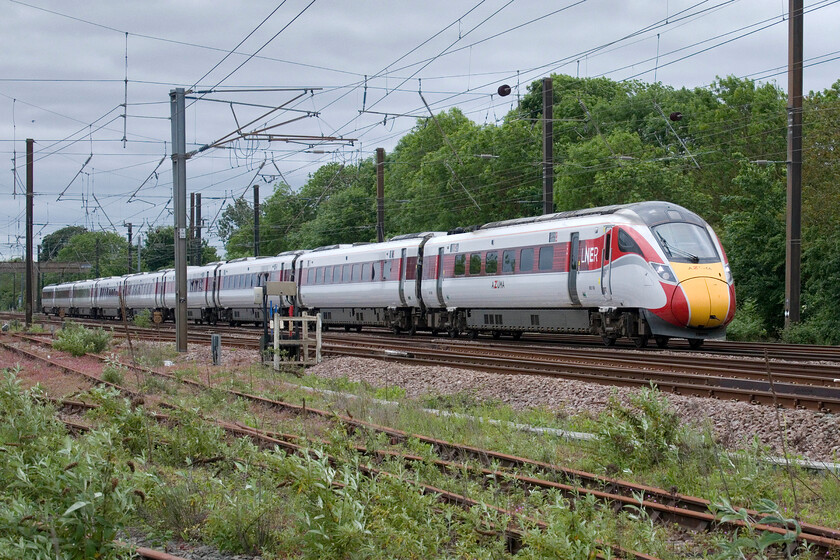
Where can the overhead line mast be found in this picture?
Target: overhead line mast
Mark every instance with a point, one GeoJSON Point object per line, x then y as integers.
{"type": "Point", "coordinates": [793, 252]}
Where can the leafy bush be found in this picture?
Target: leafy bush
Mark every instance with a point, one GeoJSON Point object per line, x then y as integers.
{"type": "Point", "coordinates": [642, 434]}
{"type": "Point", "coordinates": [143, 319]}
{"type": "Point", "coordinates": [62, 498]}
{"type": "Point", "coordinates": [114, 372]}
{"type": "Point", "coordinates": [808, 332]}
{"type": "Point", "coordinates": [78, 340]}
{"type": "Point", "coordinates": [748, 539]}
{"type": "Point", "coordinates": [747, 324]}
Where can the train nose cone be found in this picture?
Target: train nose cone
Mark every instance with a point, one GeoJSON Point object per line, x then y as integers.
{"type": "Point", "coordinates": [705, 302]}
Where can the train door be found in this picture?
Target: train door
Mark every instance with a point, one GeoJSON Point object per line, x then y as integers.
{"type": "Point", "coordinates": [574, 262]}
{"type": "Point", "coordinates": [606, 264]}
{"type": "Point", "coordinates": [439, 280]}
{"type": "Point", "coordinates": [403, 265]}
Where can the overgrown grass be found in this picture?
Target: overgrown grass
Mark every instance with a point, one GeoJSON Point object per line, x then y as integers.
{"type": "Point", "coordinates": [201, 485]}
{"type": "Point", "coordinates": [61, 497]}
{"type": "Point", "coordinates": [154, 355]}
{"type": "Point", "coordinates": [79, 340]}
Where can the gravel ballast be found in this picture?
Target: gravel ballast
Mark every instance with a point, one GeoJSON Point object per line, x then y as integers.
{"type": "Point", "coordinates": [812, 435]}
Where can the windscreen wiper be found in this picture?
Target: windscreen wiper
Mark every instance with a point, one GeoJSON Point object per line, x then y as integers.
{"type": "Point", "coordinates": [668, 249]}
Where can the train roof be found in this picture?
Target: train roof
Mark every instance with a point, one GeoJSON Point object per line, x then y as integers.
{"type": "Point", "coordinates": [652, 213]}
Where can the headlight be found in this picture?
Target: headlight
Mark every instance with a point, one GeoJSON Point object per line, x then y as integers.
{"type": "Point", "coordinates": [728, 273]}
{"type": "Point", "coordinates": [664, 272]}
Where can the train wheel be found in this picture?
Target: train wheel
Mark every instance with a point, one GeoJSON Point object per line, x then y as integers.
{"type": "Point", "coordinates": [497, 335]}
{"type": "Point", "coordinates": [661, 341]}
{"type": "Point", "coordinates": [435, 332]}
{"type": "Point", "coordinates": [473, 334]}
{"type": "Point", "coordinates": [640, 341]}
{"type": "Point", "coordinates": [346, 328]}
{"type": "Point", "coordinates": [609, 340]}
{"type": "Point", "coordinates": [413, 330]}
{"type": "Point", "coordinates": [453, 333]}
{"type": "Point", "coordinates": [396, 330]}
{"type": "Point", "coordinates": [695, 343]}
{"type": "Point", "coordinates": [359, 328]}
{"type": "Point", "coordinates": [516, 335]}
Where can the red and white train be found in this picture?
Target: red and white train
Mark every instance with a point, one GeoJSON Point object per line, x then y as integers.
{"type": "Point", "coordinates": [649, 270]}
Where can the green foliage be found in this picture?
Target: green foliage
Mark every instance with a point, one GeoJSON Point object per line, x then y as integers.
{"type": "Point", "coordinates": [114, 372]}
{"type": "Point", "coordinates": [79, 340]}
{"type": "Point", "coordinates": [638, 436]}
{"type": "Point", "coordinates": [748, 324]}
{"type": "Point", "coordinates": [143, 319]}
{"type": "Point", "coordinates": [61, 497]}
{"type": "Point", "coordinates": [748, 539]}
{"type": "Point", "coordinates": [53, 242]}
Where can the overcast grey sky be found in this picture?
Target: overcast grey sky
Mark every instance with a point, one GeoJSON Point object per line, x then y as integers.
{"type": "Point", "coordinates": [64, 64]}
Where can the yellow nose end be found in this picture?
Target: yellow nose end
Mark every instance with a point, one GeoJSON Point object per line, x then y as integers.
{"type": "Point", "coordinates": [708, 301]}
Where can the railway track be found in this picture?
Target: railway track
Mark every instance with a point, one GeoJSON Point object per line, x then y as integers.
{"type": "Point", "coordinates": [811, 385]}
{"type": "Point", "coordinates": [661, 505]}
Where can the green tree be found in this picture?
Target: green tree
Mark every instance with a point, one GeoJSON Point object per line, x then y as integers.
{"type": "Point", "coordinates": [754, 235]}
{"type": "Point", "coordinates": [236, 216]}
{"type": "Point", "coordinates": [106, 252]}
{"type": "Point", "coordinates": [52, 243]}
{"type": "Point", "coordinates": [159, 248]}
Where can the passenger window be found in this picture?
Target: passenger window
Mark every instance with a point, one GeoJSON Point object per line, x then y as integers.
{"type": "Point", "coordinates": [310, 276]}
{"type": "Point", "coordinates": [460, 264]}
{"type": "Point", "coordinates": [508, 261]}
{"type": "Point", "coordinates": [357, 272]}
{"type": "Point", "coordinates": [475, 263]}
{"type": "Point", "coordinates": [491, 262]}
{"type": "Point", "coordinates": [345, 273]}
{"type": "Point", "coordinates": [319, 275]}
{"type": "Point", "coordinates": [547, 257]}
{"type": "Point", "coordinates": [327, 274]}
{"type": "Point", "coordinates": [526, 260]}
{"type": "Point", "coordinates": [336, 277]}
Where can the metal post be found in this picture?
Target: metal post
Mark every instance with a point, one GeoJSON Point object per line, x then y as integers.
{"type": "Point", "coordinates": [380, 194]}
{"type": "Point", "coordinates": [216, 348]}
{"type": "Point", "coordinates": [129, 226]}
{"type": "Point", "coordinates": [278, 324]}
{"type": "Point", "coordinates": [256, 220]}
{"type": "Point", "coordinates": [198, 229]}
{"type": "Point", "coordinates": [548, 146]}
{"type": "Point", "coordinates": [191, 233]}
{"type": "Point", "coordinates": [138, 252]}
{"type": "Point", "coordinates": [179, 197]}
{"type": "Point", "coordinates": [30, 164]}
{"type": "Point", "coordinates": [265, 325]}
{"type": "Point", "coordinates": [793, 253]}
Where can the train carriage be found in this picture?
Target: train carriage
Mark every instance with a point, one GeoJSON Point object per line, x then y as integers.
{"type": "Point", "coordinates": [107, 293]}
{"type": "Point", "coordinates": [140, 292]}
{"type": "Point", "coordinates": [235, 282]}
{"type": "Point", "coordinates": [373, 284]}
